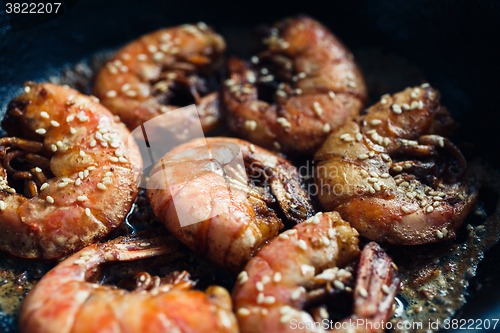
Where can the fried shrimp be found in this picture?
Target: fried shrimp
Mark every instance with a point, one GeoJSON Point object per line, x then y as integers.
{"type": "Point", "coordinates": [66, 300]}
{"type": "Point", "coordinates": [233, 211]}
{"type": "Point", "coordinates": [393, 174]}
{"type": "Point", "coordinates": [301, 87]}
{"type": "Point", "coordinates": [67, 175]}
{"type": "Point", "coordinates": [163, 71]}
{"type": "Point", "coordinates": [304, 265]}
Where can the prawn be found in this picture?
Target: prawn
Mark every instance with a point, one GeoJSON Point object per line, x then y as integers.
{"type": "Point", "coordinates": [163, 71]}
{"type": "Point", "coordinates": [302, 265]}
{"type": "Point", "coordinates": [304, 85]}
{"type": "Point", "coordinates": [394, 175]}
{"type": "Point", "coordinates": [66, 299]}
{"type": "Point", "coordinates": [238, 214]}
{"type": "Point", "coordinates": [67, 175]}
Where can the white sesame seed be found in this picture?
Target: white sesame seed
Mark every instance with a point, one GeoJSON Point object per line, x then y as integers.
{"type": "Point", "coordinates": [302, 244]}
{"type": "Point", "coordinates": [269, 300]}
{"type": "Point", "coordinates": [338, 284]}
{"type": "Point", "coordinates": [397, 168]}
{"type": "Point", "coordinates": [386, 289]}
{"type": "Point", "coordinates": [82, 198]}
{"type": "Point", "coordinates": [429, 209]}
{"type": "Point", "coordinates": [78, 181]}
{"type": "Point", "coordinates": [243, 312]}
{"type": "Point", "coordinates": [283, 236]}
{"type": "Point", "coordinates": [363, 156]}
{"type": "Point", "coordinates": [85, 173]}
{"type": "Point", "coordinates": [406, 106]}
{"type": "Point", "coordinates": [331, 94]}
{"type": "Point", "coordinates": [27, 89]}
{"type": "Point", "coordinates": [260, 298]}
{"type": "Point", "coordinates": [82, 153]}
{"type": "Point", "coordinates": [2, 205]}
{"type": "Point", "coordinates": [61, 185]}
{"type": "Point", "coordinates": [40, 131]}
{"type": "Point", "coordinates": [254, 60]}
{"type": "Point", "coordinates": [385, 175]}
{"type": "Point", "coordinates": [111, 94]}
{"type": "Point", "coordinates": [283, 122]}
{"type": "Point", "coordinates": [317, 109]}
{"type": "Point", "coordinates": [404, 209]}
{"type": "Point", "coordinates": [49, 199]}
{"type": "Point", "coordinates": [54, 123]}
{"type": "Point", "coordinates": [259, 286]}
{"type": "Point", "coordinates": [373, 180]}
{"type": "Point", "coordinates": [326, 128]}
{"type": "Point", "coordinates": [44, 114]}
{"type": "Point", "coordinates": [377, 187]}
{"type": "Point", "coordinates": [325, 240]}
{"type": "Point", "coordinates": [362, 292]}
{"type": "Point", "coordinates": [439, 234]}
{"type": "Point", "coordinates": [250, 125]}
{"type": "Point", "coordinates": [53, 148]}
{"type": "Point", "coordinates": [113, 159]}
{"type": "Point", "coordinates": [243, 277]}
{"type": "Point", "coordinates": [277, 277]}
{"type": "Point", "coordinates": [420, 105]}
{"type": "Point", "coordinates": [122, 160]}
{"type": "Point", "coordinates": [425, 85]}
{"type": "Point", "coordinates": [296, 294]}
{"type": "Point", "coordinates": [331, 233]}
{"type": "Point", "coordinates": [375, 122]}
{"type": "Point", "coordinates": [276, 145]}
{"type": "Point", "coordinates": [371, 154]}
{"type": "Point", "coordinates": [87, 211]}
{"type": "Point", "coordinates": [44, 186]}
{"type": "Point", "coordinates": [397, 109]}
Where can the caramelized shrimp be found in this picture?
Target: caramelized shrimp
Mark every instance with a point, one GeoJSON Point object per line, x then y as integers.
{"type": "Point", "coordinates": [65, 299]}
{"type": "Point", "coordinates": [68, 176]}
{"type": "Point", "coordinates": [302, 86]}
{"type": "Point", "coordinates": [163, 71]}
{"type": "Point", "coordinates": [290, 272]}
{"type": "Point", "coordinates": [231, 212]}
{"type": "Point", "coordinates": [394, 175]}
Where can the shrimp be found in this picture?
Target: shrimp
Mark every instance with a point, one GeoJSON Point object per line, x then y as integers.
{"type": "Point", "coordinates": [238, 215]}
{"type": "Point", "coordinates": [393, 174]}
{"type": "Point", "coordinates": [68, 158]}
{"type": "Point", "coordinates": [163, 71]}
{"type": "Point", "coordinates": [66, 300]}
{"type": "Point", "coordinates": [284, 276]}
{"type": "Point", "coordinates": [302, 86]}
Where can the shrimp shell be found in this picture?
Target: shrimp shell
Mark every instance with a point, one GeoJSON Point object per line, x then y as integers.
{"type": "Point", "coordinates": [321, 87]}
{"type": "Point", "coordinates": [70, 211]}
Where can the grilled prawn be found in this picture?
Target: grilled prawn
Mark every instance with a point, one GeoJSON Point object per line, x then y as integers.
{"type": "Point", "coordinates": [233, 212]}
{"type": "Point", "coordinates": [302, 86]}
{"type": "Point", "coordinates": [66, 300]}
{"type": "Point", "coordinates": [302, 268]}
{"type": "Point", "coordinates": [67, 176]}
{"type": "Point", "coordinates": [394, 175]}
{"type": "Point", "coordinates": [163, 71]}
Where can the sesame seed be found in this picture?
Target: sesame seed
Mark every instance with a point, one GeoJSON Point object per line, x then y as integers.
{"type": "Point", "coordinates": [397, 109]}
{"type": "Point", "coordinates": [276, 145]}
{"type": "Point", "coordinates": [429, 209]}
{"type": "Point", "coordinates": [439, 234]}
{"type": "Point", "coordinates": [142, 57]}
{"type": "Point", "coordinates": [44, 114]}
{"type": "Point", "coordinates": [373, 180]}
{"type": "Point", "coordinates": [44, 186]}
{"type": "Point", "coordinates": [122, 160]}
{"type": "Point", "coordinates": [376, 122]}
{"type": "Point", "coordinates": [254, 60]}
{"type": "Point", "coordinates": [113, 159]}
{"type": "Point", "coordinates": [283, 122]}
{"type": "Point", "coordinates": [85, 173]}
{"type": "Point", "coordinates": [331, 233]}
{"type": "Point", "coordinates": [101, 186]}
{"type": "Point", "coordinates": [49, 199]}
{"type": "Point", "coordinates": [61, 185]}
{"type": "Point", "coordinates": [371, 154]}
{"type": "Point", "coordinates": [296, 294]}
{"type": "Point", "coordinates": [301, 75]}
{"type": "Point", "coordinates": [386, 289]}
{"type": "Point", "coordinates": [82, 153]}
{"type": "Point", "coordinates": [326, 128]}
{"type": "Point", "coordinates": [277, 277]}
{"type": "Point", "coordinates": [397, 168]}
{"type": "Point", "coordinates": [53, 148]}
{"type": "Point", "coordinates": [243, 312]}
{"type": "Point", "coordinates": [82, 198]}
{"type": "Point", "coordinates": [404, 209]}
{"type": "Point", "coordinates": [414, 105]}
{"type": "Point", "coordinates": [252, 148]}
{"type": "Point", "coordinates": [87, 211]}
{"type": "Point", "coordinates": [40, 131]}
{"type": "Point", "coordinates": [283, 236]}
{"type": "Point", "coordinates": [259, 286]}
{"type": "Point", "coordinates": [385, 175]}
{"type": "Point", "coordinates": [377, 187]}
{"type": "Point", "coordinates": [260, 298]}
{"type": "Point", "coordinates": [302, 244]}
{"type": "Point", "coordinates": [331, 94]}
{"type": "Point", "coordinates": [352, 84]}
{"type": "Point", "coordinates": [425, 85]}
{"type": "Point", "coordinates": [111, 94]}
{"type": "Point", "coordinates": [315, 219]}
{"type": "Point", "coordinates": [250, 125]}
{"type": "Point", "coordinates": [420, 105]}
{"type": "Point", "coordinates": [27, 89]}
{"type": "Point", "coordinates": [269, 300]}
{"type": "Point", "coordinates": [3, 205]}
{"type": "Point", "coordinates": [406, 106]}
{"type": "Point", "coordinates": [338, 284]}
{"type": "Point", "coordinates": [362, 292]}
{"type": "Point", "coordinates": [243, 277]}
{"type": "Point", "coordinates": [54, 123]}
{"type": "Point", "coordinates": [363, 156]}
{"type": "Point", "coordinates": [93, 143]}
{"type": "Point", "coordinates": [325, 240]}
{"type": "Point", "coordinates": [317, 109]}
{"type": "Point", "coordinates": [266, 279]}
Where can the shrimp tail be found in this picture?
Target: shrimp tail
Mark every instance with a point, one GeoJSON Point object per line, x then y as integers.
{"type": "Point", "coordinates": [376, 286]}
